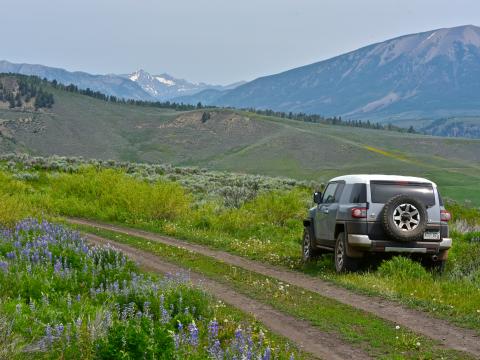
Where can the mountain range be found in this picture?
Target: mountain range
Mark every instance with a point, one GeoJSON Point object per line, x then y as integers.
{"type": "Point", "coordinates": [433, 74]}
{"type": "Point", "coordinates": [139, 85]}
{"type": "Point", "coordinates": [425, 76]}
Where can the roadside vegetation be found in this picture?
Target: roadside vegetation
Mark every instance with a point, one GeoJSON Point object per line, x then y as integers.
{"type": "Point", "coordinates": [253, 216]}
{"type": "Point", "coordinates": [61, 299]}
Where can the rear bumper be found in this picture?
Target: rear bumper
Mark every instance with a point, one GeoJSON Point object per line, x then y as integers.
{"type": "Point", "coordinates": [363, 242]}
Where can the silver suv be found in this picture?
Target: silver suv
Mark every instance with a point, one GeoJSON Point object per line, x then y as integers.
{"type": "Point", "coordinates": [360, 214]}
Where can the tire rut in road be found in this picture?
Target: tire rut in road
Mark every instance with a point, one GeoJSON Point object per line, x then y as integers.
{"type": "Point", "coordinates": [308, 338]}
{"type": "Point", "coordinates": [446, 333]}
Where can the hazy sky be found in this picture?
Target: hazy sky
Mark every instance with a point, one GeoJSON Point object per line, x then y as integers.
{"type": "Point", "coordinates": [216, 41]}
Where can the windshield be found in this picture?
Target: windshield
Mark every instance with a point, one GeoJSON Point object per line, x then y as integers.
{"type": "Point", "coordinates": [382, 191]}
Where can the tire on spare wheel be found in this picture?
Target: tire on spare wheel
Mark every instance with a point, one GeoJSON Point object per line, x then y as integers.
{"type": "Point", "coordinates": [404, 218]}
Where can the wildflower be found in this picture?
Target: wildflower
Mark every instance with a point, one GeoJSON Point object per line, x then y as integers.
{"type": "Point", "coordinates": [4, 266]}
{"type": "Point", "coordinates": [397, 327]}
{"type": "Point", "coordinates": [59, 329]}
{"type": "Point", "coordinates": [213, 329]}
{"type": "Point", "coordinates": [193, 331]}
{"type": "Point", "coordinates": [215, 350]}
{"type": "Point", "coordinates": [418, 343]}
{"type": "Point", "coordinates": [57, 267]}
{"type": "Point", "coordinates": [267, 354]}
{"type": "Point", "coordinates": [48, 334]}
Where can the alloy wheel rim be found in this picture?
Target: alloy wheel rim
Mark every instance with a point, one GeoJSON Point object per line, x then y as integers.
{"type": "Point", "coordinates": [306, 246]}
{"type": "Point", "coordinates": [339, 255]}
{"type": "Point", "coordinates": [406, 217]}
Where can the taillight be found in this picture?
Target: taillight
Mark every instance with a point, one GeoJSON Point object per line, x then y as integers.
{"type": "Point", "coordinates": [359, 213]}
{"type": "Point", "coordinates": [445, 215]}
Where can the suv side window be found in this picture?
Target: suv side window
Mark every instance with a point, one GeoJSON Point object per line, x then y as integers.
{"type": "Point", "coordinates": [329, 193]}
{"type": "Point", "coordinates": [358, 194]}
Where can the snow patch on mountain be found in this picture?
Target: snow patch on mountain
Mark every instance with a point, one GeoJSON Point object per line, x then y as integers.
{"type": "Point", "coordinates": [165, 81]}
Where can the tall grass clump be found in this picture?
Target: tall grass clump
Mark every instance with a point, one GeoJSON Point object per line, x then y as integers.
{"type": "Point", "coordinates": [112, 195]}
{"type": "Point", "coordinates": [15, 200]}
{"type": "Point", "coordinates": [63, 299]}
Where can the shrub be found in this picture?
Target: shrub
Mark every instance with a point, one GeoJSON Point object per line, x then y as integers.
{"type": "Point", "coordinates": [13, 209]}
{"type": "Point", "coordinates": [277, 208]}
{"type": "Point", "coordinates": [112, 195]}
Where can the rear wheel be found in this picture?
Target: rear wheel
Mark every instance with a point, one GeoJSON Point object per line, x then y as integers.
{"type": "Point", "coordinates": [309, 252]}
{"type": "Point", "coordinates": [343, 263]}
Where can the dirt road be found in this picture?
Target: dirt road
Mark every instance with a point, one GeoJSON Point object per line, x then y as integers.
{"type": "Point", "coordinates": [447, 334]}
{"type": "Point", "coordinates": [301, 333]}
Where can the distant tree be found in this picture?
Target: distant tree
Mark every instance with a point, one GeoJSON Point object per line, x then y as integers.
{"type": "Point", "coordinates": [199, 105]}
{"type": "Point", "coordinates": [411, 130]}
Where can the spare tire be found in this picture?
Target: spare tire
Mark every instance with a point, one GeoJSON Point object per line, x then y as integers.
{"type": "Point", "coordinates": [405, 218]}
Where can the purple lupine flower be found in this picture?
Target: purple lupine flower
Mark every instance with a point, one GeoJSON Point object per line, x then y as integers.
{"type": "Point", "coordinates": [213, 329]}
{"type": "Point", "coordinates": [57, 267]}
{"type": "Point", "coordinates": [48, 334]}
{"type": "Point", "coordinates": [215, 350]}
{"type": "Point", "coordinates": [4, 266]}
{"type": "Point", "coordinates": [59, 329]}
{"type": "Point", "coordinates": [193, 332]}
{"type": "Point", "coordinates": [239, 339]}
{"type": "Point", "coordinates": [165, 316]}
{"type": "Point", "coordinates": [267, 354]}
{"type": "Point", "coordinates": [292, 357]}
{"type": "Point", "coordinates": [176, 341]}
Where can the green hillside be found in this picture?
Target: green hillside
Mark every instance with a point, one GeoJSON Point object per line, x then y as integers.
{"type": "Point", "coordinates": [235, 141]}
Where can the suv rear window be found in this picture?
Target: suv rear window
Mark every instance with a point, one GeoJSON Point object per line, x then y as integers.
{"type": "Point", "coordinates": [382, 191]}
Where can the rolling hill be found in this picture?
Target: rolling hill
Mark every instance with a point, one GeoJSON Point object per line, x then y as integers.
{"type": "Point", "coordinates": [235, 141]}
{"type": "Point", "coordinates": [429, 75]}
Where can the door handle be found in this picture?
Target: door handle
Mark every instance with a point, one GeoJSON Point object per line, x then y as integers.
{"type": "Point", "coordinates": [325, 211]}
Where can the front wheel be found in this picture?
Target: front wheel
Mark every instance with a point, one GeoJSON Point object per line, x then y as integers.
{"type": "Point", "coordinates": [343, 263]}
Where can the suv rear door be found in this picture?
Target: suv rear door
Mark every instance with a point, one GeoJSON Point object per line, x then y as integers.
{"type": "Point", "coordinates": [326, 214]}
{"type": "Point", "coordinates": [381, 191]}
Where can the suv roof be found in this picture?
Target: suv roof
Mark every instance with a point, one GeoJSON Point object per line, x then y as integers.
{"type": "Point", "coordinates": [366, 178]}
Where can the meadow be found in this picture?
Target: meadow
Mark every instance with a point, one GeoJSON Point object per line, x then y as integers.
{"type": "Point", "coordinates": [254, 216]}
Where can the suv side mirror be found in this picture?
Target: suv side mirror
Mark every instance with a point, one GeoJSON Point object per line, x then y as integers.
{"type": "Point", "coordinates": [317, 197]}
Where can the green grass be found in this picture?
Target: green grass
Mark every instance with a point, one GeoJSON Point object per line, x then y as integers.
{"type": "Point", "coordinates": [378, 337]}
{"type": "Point", "coordinates": [265, 228]}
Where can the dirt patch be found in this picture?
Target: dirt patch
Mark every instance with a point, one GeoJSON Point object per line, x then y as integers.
{"type": "Point", "coordinates": [305, 336]}
{"type": "Point", "coordinates": [447, 334]}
